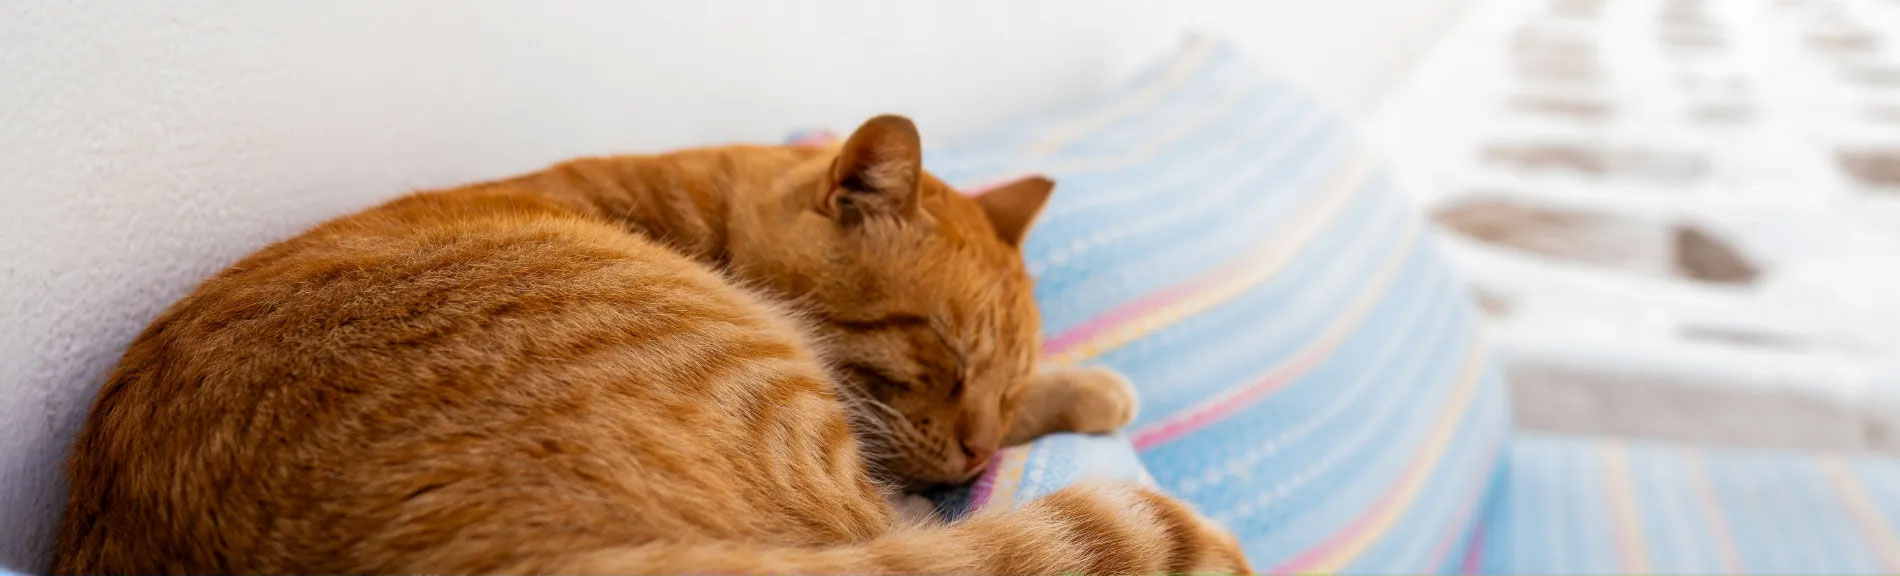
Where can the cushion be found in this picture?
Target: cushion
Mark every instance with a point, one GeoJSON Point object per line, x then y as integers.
{"type": "Point", "coordinates": [1311, 374]}
{"type": "Point", "coordinates": [1578, 505]}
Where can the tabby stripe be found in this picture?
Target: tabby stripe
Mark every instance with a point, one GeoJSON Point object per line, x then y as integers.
{"type": "Point", "coordinates": [1119, 552]}
{"type": "Point", "coordinates": [1179, 523]}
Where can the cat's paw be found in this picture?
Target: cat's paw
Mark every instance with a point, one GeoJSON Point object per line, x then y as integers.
{"type": "Point", "coordinates": [1101, 400]}
{"type": "Point", "coordinates": [1091, 400]}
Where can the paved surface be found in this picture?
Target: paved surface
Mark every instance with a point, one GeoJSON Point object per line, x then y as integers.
{"type": "Point", "coordinates": [1682, 217]}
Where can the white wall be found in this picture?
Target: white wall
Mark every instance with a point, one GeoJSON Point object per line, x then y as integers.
{"type": "Point", "coordinates": [144, 145]}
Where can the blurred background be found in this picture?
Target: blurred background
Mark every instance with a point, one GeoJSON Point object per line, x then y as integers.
{"type": "Point", "coordinates": [1681, 217]}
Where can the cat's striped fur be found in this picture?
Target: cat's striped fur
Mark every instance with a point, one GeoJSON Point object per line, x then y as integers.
{"type": "Point", "coordinates": [623, 365]}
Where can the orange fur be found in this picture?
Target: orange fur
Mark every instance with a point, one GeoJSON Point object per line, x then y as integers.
{"type": "Point", "coordinates": [695, 361]}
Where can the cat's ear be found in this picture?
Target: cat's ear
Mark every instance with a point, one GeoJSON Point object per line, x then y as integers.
{"type": "Point", "coordinates": [1013, 207]}
{"type": "Point", "coordinates": [876, 173]}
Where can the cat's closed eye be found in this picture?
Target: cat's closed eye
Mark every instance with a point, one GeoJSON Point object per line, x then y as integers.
{"type": "Point", "coordinates": [880, 379]}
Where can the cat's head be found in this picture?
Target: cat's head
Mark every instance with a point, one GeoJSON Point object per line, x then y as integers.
{"type": "Point", "coordinates": [919, 293]}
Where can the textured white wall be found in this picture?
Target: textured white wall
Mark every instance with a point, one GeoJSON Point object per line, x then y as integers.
{"type": "Point", "coordinates": [144, 145]}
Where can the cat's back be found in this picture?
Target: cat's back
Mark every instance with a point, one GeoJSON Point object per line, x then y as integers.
{"type": "Point", "coordinates": [401, 387]}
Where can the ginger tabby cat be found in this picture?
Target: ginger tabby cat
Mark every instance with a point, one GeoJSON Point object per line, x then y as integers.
{"type": "Point", "coordinates": [711, 360]}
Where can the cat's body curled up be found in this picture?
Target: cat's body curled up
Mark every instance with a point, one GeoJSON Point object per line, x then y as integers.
{"type": "Point", "coordinates": [706, 361]}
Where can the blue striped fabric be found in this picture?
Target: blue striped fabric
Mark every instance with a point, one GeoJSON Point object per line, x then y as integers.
{"type": "Point", "coordinates": [1570, 505]}
{"type": "Point", "coordinates": [1310, 371]}
{"type": "Point", "coordinates": [1311, 375]}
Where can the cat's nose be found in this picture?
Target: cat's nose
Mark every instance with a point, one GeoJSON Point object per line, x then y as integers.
{"type": "Point", "coordinates": [978, 432]}
{"type": "Point", "coordinates": [975, 458]}
{"type": "Point", "coordinates": [979, 437]}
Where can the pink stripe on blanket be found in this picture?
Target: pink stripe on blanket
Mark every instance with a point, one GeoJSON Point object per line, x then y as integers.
{"type": "Point", "coordinates": [1226, 405]}
{"type": "Point", "coordinates": [1061, 343]}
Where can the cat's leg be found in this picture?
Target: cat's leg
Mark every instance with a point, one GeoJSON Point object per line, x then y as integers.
{"type": "Point", "coordinates": [1090, 400]}
{"type": "Point", "coordinates": [1085, 529]}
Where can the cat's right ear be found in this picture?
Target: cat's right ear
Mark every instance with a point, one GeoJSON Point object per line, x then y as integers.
{"type": "Point", "coordinates": [1013, 206]}
{"type": "Point", "coordinates": [876, 174]}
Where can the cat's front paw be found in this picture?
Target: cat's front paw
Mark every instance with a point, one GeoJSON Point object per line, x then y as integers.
{"type": "Point", "coordinates": [1101, 400]}
{"type": "Point", "coordinates": [1089, 400]}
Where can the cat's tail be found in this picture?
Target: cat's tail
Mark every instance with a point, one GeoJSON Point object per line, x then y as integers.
{"type": "Point", "coordinates": [1092, 529]}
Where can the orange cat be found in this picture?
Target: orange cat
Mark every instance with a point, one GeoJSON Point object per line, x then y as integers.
{"type": "Point", "coordinates": [617, 365]}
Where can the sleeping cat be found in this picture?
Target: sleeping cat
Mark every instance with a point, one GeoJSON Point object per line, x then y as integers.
{"type": "Point", "coordinates": [706, 361]}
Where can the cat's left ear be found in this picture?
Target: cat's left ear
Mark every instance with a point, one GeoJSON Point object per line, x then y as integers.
{"type": "Point", "coordinates": [1013, 207]}
{"type": "Point", "coordinates": [877, 172]}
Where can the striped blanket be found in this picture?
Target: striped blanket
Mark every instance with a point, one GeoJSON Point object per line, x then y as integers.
{"type": "Point", "coordinates": [1571, 505]}
{"type": "Point", "coordinates": [1310, 371]}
